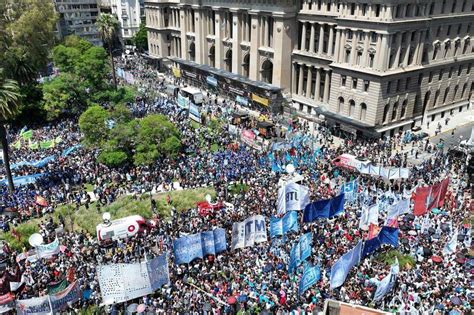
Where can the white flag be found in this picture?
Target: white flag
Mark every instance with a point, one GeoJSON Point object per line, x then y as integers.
{"type": "Point", "coordinates": [451, 245]}
{"type": "Point", "coordinates": [292, 197]}
{"type": "Point", "coordinates": [369, 215]}
{"type": "Point", "coordinates": [249, 232]}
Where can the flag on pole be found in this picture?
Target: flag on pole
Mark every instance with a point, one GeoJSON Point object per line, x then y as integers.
{"type": "Point", "coordinates": [27, 135]}
{"type": "Point", "coordinates": [452, 244]}
{"type": "Point", "coordinates": [427, 198]}
{"type": "Point", "coordinates": [17, 144]}
{"type": "Point", "coordinates": [395, 210]}
{"type": "Point", "coordinates": [343, 266]}
{"type": "Point", "coordinates": [33, 145]}
{"type": "Point", "coordinates": [387, 283]}
{"type": "Point", "coordinates": [292, 197]}
{"type": "Point", "coordinates": [370, 215]}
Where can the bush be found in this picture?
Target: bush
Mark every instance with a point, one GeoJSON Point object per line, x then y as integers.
{"type": "Point", "coordinates": [405, 261]}
{"type": "Point", "coordinates": [24, 231]}
{"type": "Point", "coordinates": [113, 158]}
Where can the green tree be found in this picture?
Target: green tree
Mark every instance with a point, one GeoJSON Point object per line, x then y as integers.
{"type": "Point", "coordinates": [92, 67]}
{"type": "Point", "coordinates": [65, 58]}
{"type": "Point", "coordinates": [64, 94]}
{"type": "Point", "coordinates": [9, 97]}
{"type": "Point", "coordinates": [113, 158]}
{"type": "Point", "coordinates": [93, 124]}
{"type": "Point", "coordinates": [141, 38]}
{"type": "Point", "coordinates": [107, 24]}
{"type": "Point", "coordinates": [153, 138]}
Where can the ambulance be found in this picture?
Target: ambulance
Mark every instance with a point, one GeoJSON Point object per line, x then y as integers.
{"type": "Point", "coordinates": [121, 228]}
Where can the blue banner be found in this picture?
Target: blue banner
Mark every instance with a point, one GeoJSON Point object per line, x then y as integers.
{"type": "Point", "coordinates": [387, 235]}
{"type": "Point", "coordinates": [211, 81]}
{"type": "Point", "coordinates": [326, 208]}
{"type": "Point", "coordinates": [280, 226]}
{"type": "Point", "coordinates": [69, 150]}
{"type": "Point", "coordinates": [190, 247]}
{"type": "Point", "coordinates": [300, 251]}
{"type": "Point", "coordinates": [310, 276]}
{"type": "Point", "coordinates": [242, 100]}
{"type": "Point", "coordinates": [194, 113]}
{"type": "Point", "coordinates": [343, 266]}
{"type": "Point", "coordinates": [24, 180]}
{"type": "Point", "coordinates": [158, 271]}
{"type": "Point", "coordinates": [38, 164]}
{"type": "Point", "coordinates": [350, 190]}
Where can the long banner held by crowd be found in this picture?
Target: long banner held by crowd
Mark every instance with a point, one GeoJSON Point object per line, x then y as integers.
{"type": "Point", "coordinates": [300, 251]}
{"type": "Point", "coordinates": [281, 226]}
{"type": "Point", "coordinates": [198, 245]}
{"type": "Point", "coordinates": [326, 208]}
{"type": "Point", "coordinates": [249, 232]}
{"type": "Point", "coordinates": [122, 282]}
{"type": "Point", "coordinates": [48, 250]}
{"type": "Point", "coordinates": [292, 196]}
{"type": "Point", "coordinates": [343, 266]}
{"type": "Point", "coordinates": [49, 304]}
{"type": "Point", "coordinates": [387, 235]}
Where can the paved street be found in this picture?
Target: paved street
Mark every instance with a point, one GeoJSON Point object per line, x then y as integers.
{"type": "Point", "coordinates": [462, 132]}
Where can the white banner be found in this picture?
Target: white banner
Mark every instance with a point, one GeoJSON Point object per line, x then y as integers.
{"type": "Point", "coordinates": [249, 232]}
{"type": "Point", "coordinates": [369, 215]}
{"type": "Point", "coordinates": [48, 250]}
{"type": "Point", "coordinates": [385, 172]}
{"type": "Point", "coordinates": [34, 306]}
{"type": "Point", "coordinates": [292, 196]}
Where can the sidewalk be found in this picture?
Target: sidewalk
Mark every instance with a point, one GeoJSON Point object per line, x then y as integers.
{"type": "Point", "coordinates": [455, 121]}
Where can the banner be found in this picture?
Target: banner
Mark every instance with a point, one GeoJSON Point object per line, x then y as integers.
{"type": "Point", "coordinates": [385, 172]}
{"type": "Point", "coordinates": [69, 150]}
{"type": "Point", "coordinates": [56, 287]}
{"type": "Point", "coordinates": [326, 208]}
{"type": "Point", "coordinates": [194, 113]}
{"type": "Point", "coordinates": [182, 101]}
{"type": "Point", "coordinates": [33, 145]}
{"type": "Point", "coordinates": [34, 306]}
{"type": "Point", "coordinates": [47, 144]}
{"type": "Point", "coordinates": [427, 198]}
{"type": "Point", "coordinates": [350, 190]}
{"type": "Point", "coordinates": [281, 226]}
{"type": "Point", "coordinates": [122, 282]}
{"type": "Point", "coordinates": [249, 232]}
{"type": "Point", "coordinates": [27, 134]}
{"type": "Point", "coordinates": [452, 244]}
{"type": "Point", "coordinates": [369, 215]}
{"type": "Point", "coordinates": [388, 282]}
{"type": "Point", "coordinates": [23, 180]}
{"type": "Point", "coordinates": [258, 99]}
{"type": "Point", "coordinates": [176, 72]}
{"type": "Point", "coordinates": [396, 210]}
{"type": "Point", "coordinates": [387, 235]}
{"type": "Point", "coordinates": [38, 164]}
{"type": "Point", "coordinates": [310, 276]}
{"type": "Point", "coordinates": [190, 247]}
{"type": "Point", "coordinates": [343, 266]}
{"type": "Point", "coordinates": [60, 301]}
{"type": "Point", "coordinates": [48, 250]}
{"type": "Point", "coordinates": [242, 100]}
{"type": "Point", "coordinates": [211, 81]}
{"type": "Point", "coordinates": [7, 302]}
{"type": "Point", "coordinates": [292, 196]}
{"type": "Point", "coordinates": [300, 251]}
{"type": "Point", "coordinates": [249, 138]}
{"type": "Point", "coordinates": [49, 304]}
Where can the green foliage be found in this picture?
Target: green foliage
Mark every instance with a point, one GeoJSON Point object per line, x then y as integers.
{"type": "Point", "coordinates": [93, 67]}
{"type": "Point", "coordinates": [24, 231]}
{"type": "Point", "coordinates": [78, 43]}
{"type": "Point", "coordinates": [113, 158]}
{"type": "Point", "coordinates": [140, 40]}
{"type": "Point", "coordinates": [405, 261]}
{"type": "Point", "coordinates": [93, 125]}
{"type": "Point", "coordinates": [65, 58]}
{"type": "Point", "coordinates": [171, 146]}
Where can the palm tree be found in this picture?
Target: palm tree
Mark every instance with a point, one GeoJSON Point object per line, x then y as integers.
{"type": "Point", "coordinates": [9, 100]}
{"type": "Point", "coordinates": [107, 24]}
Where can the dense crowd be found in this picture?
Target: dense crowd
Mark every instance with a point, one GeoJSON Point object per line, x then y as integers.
{"type": "Point", "coordinates": [253, 280]}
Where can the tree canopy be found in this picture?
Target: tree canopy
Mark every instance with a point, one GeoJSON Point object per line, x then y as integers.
{"type": "Point", "coordinates": [141, 38]}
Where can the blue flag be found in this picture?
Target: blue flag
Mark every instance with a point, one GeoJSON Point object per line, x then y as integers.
{"type": "Point", "coordinates": [300, 251]}
{"type": "Point", "coordinates": [343, 266]}
{"type": "Point", "coordinates": [387, 283]}
{"type": "Point", "coordinates": [311, 275]}
{"type": "Point", "coordinates": [350, 190]}
{"type": "Point", "coordinates": [190, 247]}
{"type": "Point", "coordinates": [326, 208]}
{"type": "Point", "coordinates": [387, 235]}
{"type": "Point", "coordinates": [280, 226]}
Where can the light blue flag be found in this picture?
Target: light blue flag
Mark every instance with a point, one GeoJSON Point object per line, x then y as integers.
{"type": "Point", "coordinates": [350, 190]}
{"type": "Point", "coordinates": [187, 248]}
{"type": "Point", "coordinates": [342, 267]}
{"type": "Point", "coordinates": [300, 251]}
{"type": "Point", "coordinates": [387, 283]}
{"type": "Point", "coordinates": [281, 226]}
{"type": "Point", "coordinates": [310, 276]}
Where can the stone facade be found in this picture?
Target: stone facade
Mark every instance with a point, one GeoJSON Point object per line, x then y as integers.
{"type": "Point", "coordinates": [129, 14]}
{"type": "Point", "coordinates": [379, 65]}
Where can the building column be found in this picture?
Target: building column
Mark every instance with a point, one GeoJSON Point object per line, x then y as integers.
{"type": "Point", "coordinates": [309, 82]}
{"type": "Point", "coordinates": [338, 45]}
{"type": "Point", "coordinates": [254, 44]}
{"type": "Point", "coordinates": [219, 46]}
{"type": "Point", "coordinates": [293, 78]}
{"type": "Point", "coordinates": [303, 37]}
{"type": "Point", "coordinates": [311, 38]}
{"type": "Point", "coordinates": [300, 79]}
{"type": "Point", "coordinates": [326, 86]}
{"type": "Point", "coordinates": [331, 39]}
{"type": "Point", "coordinates": [318, 84]}
{"type": "Point", "coordinates": [353, 48]}
{"type": "Point", "coordinates": [265, 31]}
{"type": "Point", "coordinates": [342, 44]}
{"type": "Point", "coordinates": [385, 51]}
{"type": "Point", "coordinates": [366, 49]}
{"type": "Point", "coordinates": [236, 39]}
{"type": "Point", "coordinates": [378, 53]}
{"type": "Point", "coordinates": [399, 50]}
{"type": "Point", "coordinates": [321, 39]}
{"type": "Point", "coordinates": [407, 53]}
{"type": "Point", "coordinates": [184, 29]}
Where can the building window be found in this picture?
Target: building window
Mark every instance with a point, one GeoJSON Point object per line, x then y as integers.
{"type": "Point", "coordinates": [366, 85]}
{"type": "Point", "coordinates": [459, 70]}
{"type": "Point", "coordinates": [445, 97]}
{"type": "Point", "coordinates": [363, 111]}
{"type": "Point", "coordinates": [352, 107]}
{"type": "Point", "coordinates": [443, 6]}
{"type": "Point", "coordinates": [353, 6]}
{"type": "Point", "coordinates": [359, 58]}
{"type": "Point", "coordinates": [389, 87]}
{"type": "Point", "coordinates": [432, 8]}
{"type": "Point", "coordinates": [343, 80]}
{"type": "Point", "coordinates": [440, 77]}
{"type": "Point", "coordinates": [453, 7]}
{"type": "Point", "coordinates": [463, 7]}
{"type": "Point", "coordinates": [450, 73]}
{"type": "Point", "coordinates": [371, 60]}
{"type": "Point", "coordinates": [377, 10]}
{"type": "Point", "coordinates": [435, 51]}
{"type": "Point", "coordinates": [404, 109]}
{"type": "Point", "coordinates": [354, 83]}
{"type": "Point", "coordinates": [340, 106]}
{"type": "Point", "coordinates": [464, 87]}
{"type": "Point", "coordinates": [430, 79]}
{"type": "Point", "coordinates": [385, 112]}
{"type": "Point", "coordinates": [394, 111]}
{"type": "Point", "coordinates": [436, 98]}
{"type": "Point", "coordinates": [398, 86]}
{"type": "Point", "coordinates": [420, 78]}
{"type": "Point", "coordinates": [456, 88]}
{"type": "Point", "coordinates": [348, 56]}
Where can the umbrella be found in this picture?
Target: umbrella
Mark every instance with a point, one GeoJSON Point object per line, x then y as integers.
{"type": "Point", "coordinates": [436, 210]}
{"type": "Point", "coordinates": [231, 300]}
{"type": "Point", "coordinates": [461, 260]}
{"type": "Point", "coordinates": [410, 216]}
{"type": "Point", "coordinates": [141, 308]}
{"type": "Point", "coordinates": [243, 298]}
{"type": "Point", "coordinates": [444, 227]}
{"type": "Point", "coordinates": [456, 301]}
{"type": "Point", "coordinates": [412, 232]}
{"type": "Point", "coordinates": [132, 308]}
{"type": "Point", "coordinates": [460, 237]}
{"type": "Point", "coordinates": [437, 259]}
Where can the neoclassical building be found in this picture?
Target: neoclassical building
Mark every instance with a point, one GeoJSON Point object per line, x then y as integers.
{"type": "Point", "coordinates": [369, 66]}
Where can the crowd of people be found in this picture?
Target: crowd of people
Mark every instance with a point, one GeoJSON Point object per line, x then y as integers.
{"type": "Point", "coordinates": [252, 280]}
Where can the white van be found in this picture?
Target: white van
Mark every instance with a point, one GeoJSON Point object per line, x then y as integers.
{"type": "Point", "coordinates": [121, 228]}
{"type": "Point", "coordinates": [193, 94]}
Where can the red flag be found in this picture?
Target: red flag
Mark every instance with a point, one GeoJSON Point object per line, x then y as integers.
{"type": "Point", "coordinates": [373, 231]}
{"type": "Point", "coordinates": [41, 201]}
{"type": "Point", "coordinates": [430, 197]}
